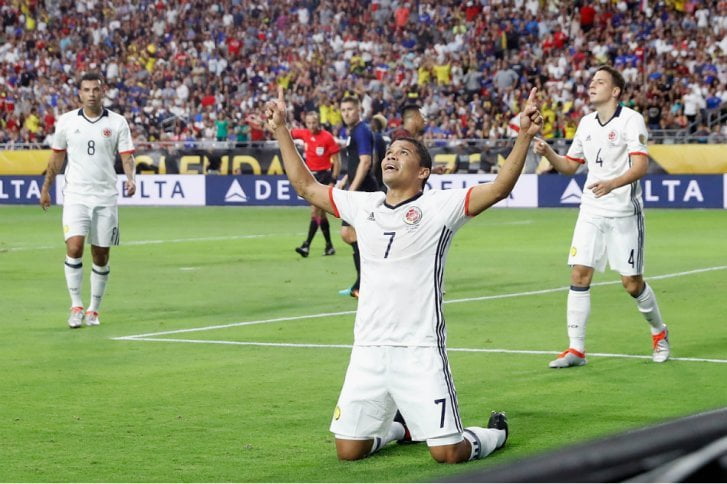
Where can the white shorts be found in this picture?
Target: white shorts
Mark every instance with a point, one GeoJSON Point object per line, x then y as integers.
{"type": "Point", "coordinates": [620, 240]}
{"type": "Point", "coordinates": [415, 380]}
{"type": "Point", "coordinates": [99, 224]}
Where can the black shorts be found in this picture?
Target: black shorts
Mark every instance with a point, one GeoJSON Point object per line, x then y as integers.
{"type": "Point", "coordinates": [324, 177]}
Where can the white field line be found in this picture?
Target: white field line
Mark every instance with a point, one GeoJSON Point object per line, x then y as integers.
{"type": "Point", "coordinates": [462, 350]}
{"type": "Point", "coordinates": [450, 301]}
{"type": "Point", "coordinates": [564, 288]}
{"type": "Point", "coordinates": [166, 241]}
{"type": "Point", "coordinates": [213, 239]}
{"type": "Point", "coordinates": [232, 325]}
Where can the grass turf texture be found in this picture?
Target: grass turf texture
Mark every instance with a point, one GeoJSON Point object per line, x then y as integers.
{"type": "Point", "coordinates": [80, 406]}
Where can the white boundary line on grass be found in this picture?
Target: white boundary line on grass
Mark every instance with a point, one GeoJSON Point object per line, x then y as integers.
{"type": "Point", "coordinates": [450, 301]}
{"type": "Point", "coordinates": [462, 350]}
{"type": "Point", "coordinates": [215, 238]}
{"type": "Point", "coordinates": [168, 241]}
{"type": "Point", "coordinates": [150, 336]}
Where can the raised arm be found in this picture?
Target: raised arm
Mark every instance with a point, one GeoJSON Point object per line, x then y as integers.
{"type": "Point", "coordinates": [486, 195]}
{"type": "Point", "coordinates": [296, 170]}
{"type": "Point", "coordinates": [55, 164]}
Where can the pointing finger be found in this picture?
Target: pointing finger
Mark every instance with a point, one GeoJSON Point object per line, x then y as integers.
{"type": "Point", "coordinates": [281, 94]}
{"type": "Point", "coordinates": [531, 97]}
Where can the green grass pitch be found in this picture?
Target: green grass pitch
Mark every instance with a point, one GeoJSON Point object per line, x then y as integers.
{"type": "Point", "coordinates": [253, 402]}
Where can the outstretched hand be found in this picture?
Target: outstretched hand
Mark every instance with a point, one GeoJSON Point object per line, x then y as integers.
{"type": "Point", "coordinates": [540, 147]}
{"type": "Point", "coordinates": [530, 118]}
{"type": "Point", "coordinates": [275, 111]}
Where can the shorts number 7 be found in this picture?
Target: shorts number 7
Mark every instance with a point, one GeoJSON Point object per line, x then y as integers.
{"type": "Point", "coordinates": [443, 401]}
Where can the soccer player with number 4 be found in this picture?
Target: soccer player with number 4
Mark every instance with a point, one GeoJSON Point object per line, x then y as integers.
{"type": "Point", "coordinates": [611, 141]}
{"type": "Point", "coordinates": [399, 357]}
{"type": "Point", "coordinates": [91, 136]}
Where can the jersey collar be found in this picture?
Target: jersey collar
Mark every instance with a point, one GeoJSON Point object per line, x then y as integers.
{"type": "Point", "coordinates": [105, 112]}
{"type": "Point", "coordinates": [404, 202]}
{"type": "Point", "coordinates": [615, 115]}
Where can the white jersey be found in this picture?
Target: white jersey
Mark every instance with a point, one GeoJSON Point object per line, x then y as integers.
{"type": "Point", "coordinates": [607, 149]}
{"type": "Point", "coordinates": [91, 147]}
{"type": "Point", "coordinates": [403, 250]}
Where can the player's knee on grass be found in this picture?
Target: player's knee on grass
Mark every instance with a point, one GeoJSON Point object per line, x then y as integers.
{"type": "Point", "coordinates": [451, 454]}
{"type": "Point", "coordinates": [353, 449]}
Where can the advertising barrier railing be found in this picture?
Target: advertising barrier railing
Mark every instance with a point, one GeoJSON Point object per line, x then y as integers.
{"type": "Point", "coordinates": [666, 191]}
{"type": "Point", "coordinates": [263, 158]}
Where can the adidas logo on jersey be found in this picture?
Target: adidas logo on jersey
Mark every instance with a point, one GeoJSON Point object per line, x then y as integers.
{"type": "Point", "coordinates": [371, 217]}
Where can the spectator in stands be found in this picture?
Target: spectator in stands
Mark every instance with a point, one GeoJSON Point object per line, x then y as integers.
{"type": "Point", "coordinates": [693, 101]}
{"type": "Point", "coordinates": [165, 63]}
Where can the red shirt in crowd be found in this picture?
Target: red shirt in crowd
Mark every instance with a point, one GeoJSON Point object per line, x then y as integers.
{"type": "Point", "coordinates": [588, 15]}
{"type": "Point", "coordinates": [319, 148]}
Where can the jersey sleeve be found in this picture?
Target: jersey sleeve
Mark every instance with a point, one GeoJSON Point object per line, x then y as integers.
{"type": "Point", "coordinates": [126, 145]}
{"type": "Point", "coordinates": [297, 133]}
{"type": "Point", "coordinates": [347, 204]}
{"type": "Point", "coordinates": [575, 151]}
{"type": "Point", "coordinates": [60, 143]}
{"type": "Point", "coordinates": [636, 136]}
{"type": "Point", "coordinates": [364, 140]}
{"type": "Point", "coordinates": [452, 205]}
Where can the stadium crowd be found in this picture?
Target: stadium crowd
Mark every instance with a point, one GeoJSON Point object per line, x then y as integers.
{"type": "Point", "coordinates": [187, 70]}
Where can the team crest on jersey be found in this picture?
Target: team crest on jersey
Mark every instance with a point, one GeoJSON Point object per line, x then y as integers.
{"type": "Point", "coordinates": [612, 136]}
{"type": "Point", "coordinates": [107, 132]}
{"type": "Point", "coordinates": [413, 216]}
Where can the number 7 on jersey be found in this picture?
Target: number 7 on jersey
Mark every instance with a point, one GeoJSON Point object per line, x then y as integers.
{"type": "Point", "coordinates": [391, 236]}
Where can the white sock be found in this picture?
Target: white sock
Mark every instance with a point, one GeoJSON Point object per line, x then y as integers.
{"type": "Point", "coordinates": [483, 441]}
{"type": "Point", "coordinates": [579, 308]}
{"type": "Point", "coordinates": [74, 279]}
{"type": "Point", "coordinates": [646, 302]}
{"type": "Point", "coordinates": [99, 277]}
{"type": "Point", "coordinates": [396, 432]}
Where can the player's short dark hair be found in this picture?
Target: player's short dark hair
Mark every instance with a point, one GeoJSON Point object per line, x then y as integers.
{"type": "Point", "coordinates": [90, 76]}
{"type": "Point", "coordinates": [409, 109]}
{"type": "Point", "coordinates": [425, 159]}
{"type": "Point", "coordinates": [351, 99]}
{"type": "Point", "coordinates": [618, 79]}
